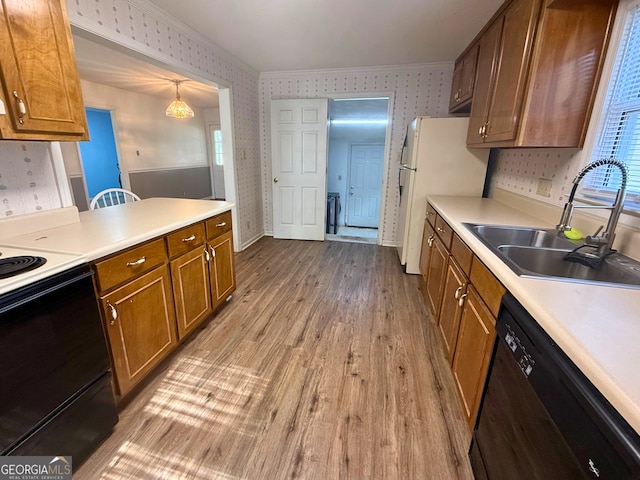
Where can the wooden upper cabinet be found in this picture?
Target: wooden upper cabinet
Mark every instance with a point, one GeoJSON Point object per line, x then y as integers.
{"type": "Point", "coordinates": [464, 75]}
{"type": "Point", "coordinates": [539, 65]}
{"type": "Point", "coordinates": [40, 83]}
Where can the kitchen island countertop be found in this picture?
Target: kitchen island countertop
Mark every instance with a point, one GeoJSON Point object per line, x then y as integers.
{"type": "Point", "coordinates": [598, 327]}
{"type": "Point", "coordinates": [98, 233]}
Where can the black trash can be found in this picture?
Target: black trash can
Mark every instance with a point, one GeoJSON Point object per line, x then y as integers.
{"type": "Point", "coordinates": [333, 209]}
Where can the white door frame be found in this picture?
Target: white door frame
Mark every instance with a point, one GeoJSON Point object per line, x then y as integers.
{"type": "Point", "coordinates": [387, 148]}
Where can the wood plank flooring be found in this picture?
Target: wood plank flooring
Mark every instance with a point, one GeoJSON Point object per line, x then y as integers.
{"type": "Point", "coordinates": [324, 365]}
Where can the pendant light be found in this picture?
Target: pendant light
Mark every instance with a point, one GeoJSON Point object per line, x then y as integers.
{"type": "Point", "coordinates": [178, 108]}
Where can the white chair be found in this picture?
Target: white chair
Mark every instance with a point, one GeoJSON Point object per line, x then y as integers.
{"type": "Point", "coordinates": [112, 196]}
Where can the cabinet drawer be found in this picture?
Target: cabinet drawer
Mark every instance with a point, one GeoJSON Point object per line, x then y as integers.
{"type": "Point", "coordinates": [185, 239]}
{"type": "Point", "coordinates": [129, 264]}
{"type": "Point", "coordinates": [488, 286]}
{"type": "Point", "coordinates": [444, 231]}
{"type": "Point", "coordinates": [431, 215]}
{"type": "Point", "coordinates": [218, 225]}
{"type": "Point", "coordinates": [462, 254]}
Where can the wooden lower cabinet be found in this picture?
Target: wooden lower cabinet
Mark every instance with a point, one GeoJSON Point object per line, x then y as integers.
{"type": "Point", "coordinates": [222, 269]}
{"type": "Point", "coordinates": [191, 285]}
{"type": "Point", "coordinates": [453, 297]}
{"type": "Point", "coordinates": [476, 338]}
{"type": "Point", "coordinates": [436, 273]}
{"type": "Point", "coordinates": [140, 324]}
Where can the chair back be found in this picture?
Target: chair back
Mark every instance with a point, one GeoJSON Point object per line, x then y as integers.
{"type": "Point", "coordinates": [112, 196]}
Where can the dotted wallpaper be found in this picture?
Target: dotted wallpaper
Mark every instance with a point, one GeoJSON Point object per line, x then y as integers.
{"type": "Point", "coordinates": [518, 171]}
{"type": "Point", "coordinates": [27, 180]}
{"type": "Point", "coordinates": [417, 90]}
{"type": "Point", "coordinates": [140, 26]}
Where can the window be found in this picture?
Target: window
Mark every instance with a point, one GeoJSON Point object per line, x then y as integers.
{"type": "Point", "coordinates": [619, 135]}
{"type": "Point", "coordinates": [217, 146]}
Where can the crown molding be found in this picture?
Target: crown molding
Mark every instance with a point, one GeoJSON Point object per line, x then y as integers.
{"type": "Point", "coordinates": [414, 67]}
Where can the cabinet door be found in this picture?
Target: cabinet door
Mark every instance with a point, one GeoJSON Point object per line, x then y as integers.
{"type": "Point", "coordinates": [487, 65]}
{"type": "Point", "coordinates": [425, 251]}
{"type": "Point", "coordinates": [223, 275]}
{"type": "Point", "coordinates": [508, 88]}
{"type": "Point", "coordinates": [464, 74]}
{"type": "Point", "coordinates": [473, 352]}
{"type": "Point", "coordinates": [140, 325]}
{"type": "Point", "coordinates": [435, 275]}
{"type": "Point", "coordinates": [37, 62]}
{"type": "Point", "coordinates": [453, 296]}
{"type": "Point", "coordinates": [191, 289]}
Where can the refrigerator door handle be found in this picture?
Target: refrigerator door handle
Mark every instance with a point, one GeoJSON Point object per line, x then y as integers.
{"type": "Point", "coordinates": [404, 166]}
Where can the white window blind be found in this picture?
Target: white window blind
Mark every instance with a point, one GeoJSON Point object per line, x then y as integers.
{"type": "Point", "coordinates": [619, 135]}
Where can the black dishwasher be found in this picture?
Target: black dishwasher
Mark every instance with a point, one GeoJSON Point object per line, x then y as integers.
{"type": "Point", "coordinates": [541, 418]}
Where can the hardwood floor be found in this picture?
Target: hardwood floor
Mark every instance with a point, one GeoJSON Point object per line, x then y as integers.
{"type": "Point", "coordinates": [324, 365]}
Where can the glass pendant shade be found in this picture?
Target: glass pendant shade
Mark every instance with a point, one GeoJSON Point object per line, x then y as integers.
{"type": "Point", "coordinates": [177, 108]}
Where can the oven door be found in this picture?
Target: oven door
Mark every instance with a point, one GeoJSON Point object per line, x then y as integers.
{"type": "Point", "coordinates": [51, 348]}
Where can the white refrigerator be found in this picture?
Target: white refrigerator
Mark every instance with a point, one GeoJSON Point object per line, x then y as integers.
{"type": "Point", "coordinates": [435, 161]}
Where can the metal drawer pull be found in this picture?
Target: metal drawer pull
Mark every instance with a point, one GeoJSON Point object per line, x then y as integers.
{"type": "Point", "coordinates": [213, 251]}
{"type": "Point", "coordinates": [189, 239]}
{"type": "Point", "coordinates": [22, 108]}
{"type": "Point", "coordinates": [220, 225]}
{"type": "Point", "coordinates": [207, 257]}
{"type": "Point", "coordinates": [461, 300]}
{"type": "Point", "coordinates": [440, 230]}
{"type": "Point", "coordinates": [140, 261]}
{"type": "Point", "coordinates": [114, 313]}
{"type": "Point", "coordinates": [458, 292]}
{"type": "Point", "coordinates": [430, 241]}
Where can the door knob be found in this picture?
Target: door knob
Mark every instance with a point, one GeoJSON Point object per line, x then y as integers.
{"type": "Point", "coordinates": [275, 179]}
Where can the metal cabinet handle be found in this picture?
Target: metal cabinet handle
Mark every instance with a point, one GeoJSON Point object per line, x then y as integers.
{"type": "Point", "coordinates": [440, 229]}
{"type": "Point", "coordinates": [114, 313]}
{"type": "Point", "coordinates": [275, 179]}
{"type": "Point", "coordinates": [207, 257]}
{"type": "Point", "coordinates": [458, 292]}
{"type": "Point", "coordinates": [189, 239]}
{"type": "Point", "coordinates": [220, 225]}
{"type": "Point", "coordinates": [140, 261]}
{"type": "Point", "coordinates": [430, 241]}
{"type": "Point", "coordinates": [461, 300]}
{"type": "Point", "coordinates": [22, 108]}
{"type": "Point", "coordinates": [480, 130]}
{"type": "Point", "coordinates": [213, 251]}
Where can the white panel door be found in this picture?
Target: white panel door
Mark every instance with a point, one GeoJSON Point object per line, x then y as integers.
{"type": "Point", "coordinates": [299, 168]}
{"type": "Point", "coordinates": [365, 184]}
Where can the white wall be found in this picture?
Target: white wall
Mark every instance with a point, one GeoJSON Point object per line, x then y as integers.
{"type": "Point", "coordinates": [146, 138]}
{"type": "Point", "coordinates": [416, 90]}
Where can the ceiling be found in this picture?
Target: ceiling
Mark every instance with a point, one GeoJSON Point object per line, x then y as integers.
{"type": "Point", "coordinates": [100, 64]}
{"type": "Point", "coordinates": [282, 35]}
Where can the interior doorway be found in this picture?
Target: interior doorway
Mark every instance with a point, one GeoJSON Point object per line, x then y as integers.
{"type": "Point", "coordinates": [100, 156]}
{"type": "Point", "coordinates": [357, 136]}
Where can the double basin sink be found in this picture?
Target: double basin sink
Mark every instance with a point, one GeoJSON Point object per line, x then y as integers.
{"type": "Point", "coordinates": [535, 252]}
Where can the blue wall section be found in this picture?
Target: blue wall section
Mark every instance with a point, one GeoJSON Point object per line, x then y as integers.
{"type": "Point", "coordinates": [99, 156]}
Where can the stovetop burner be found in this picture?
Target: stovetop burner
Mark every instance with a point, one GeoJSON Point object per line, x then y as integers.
{"type": "Point", "coordinates": [11, 266]}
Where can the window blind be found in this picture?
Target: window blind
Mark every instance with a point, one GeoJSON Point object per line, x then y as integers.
{"type": "Point", "coordinates": [619, 135]}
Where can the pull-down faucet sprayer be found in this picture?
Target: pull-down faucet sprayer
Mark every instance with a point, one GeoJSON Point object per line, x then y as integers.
{"type": "Point", "coordinates": [601, 243]}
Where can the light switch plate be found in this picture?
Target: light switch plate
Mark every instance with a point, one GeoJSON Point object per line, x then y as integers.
{"type": "Point", "coordinates": [544, 187]}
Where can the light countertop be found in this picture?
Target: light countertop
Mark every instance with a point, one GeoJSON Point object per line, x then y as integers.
{"type": "Point", "coordinates": [104, 231]}
{"type": "Point", "coordinates": [598, 327]}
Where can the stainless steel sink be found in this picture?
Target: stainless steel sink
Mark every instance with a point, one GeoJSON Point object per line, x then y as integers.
{"type": "Point", "coordinates": [535, 252]}
{"type": "Point", "coordinates": [496, 235]}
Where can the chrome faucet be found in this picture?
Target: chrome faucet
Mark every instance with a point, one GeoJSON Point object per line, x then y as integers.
{"type": "Point", "coordinates": [599, 244]}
